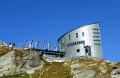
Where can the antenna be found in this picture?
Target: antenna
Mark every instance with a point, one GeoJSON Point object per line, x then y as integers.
{"type": "Point", "coordinates": [31, 43]}
{"type": "Point", "coordinates": [43, 46]}
{"type": "Point", "coordinates": [49, 46]}
{"type": "Point", "coordinates": [25, 44]}
{"type": "Point", "coordinates": [56, 47]}
{"type": "Point", "coordinates": [35, 45]}
{"type": "Point", "coordinates": [38, 44]}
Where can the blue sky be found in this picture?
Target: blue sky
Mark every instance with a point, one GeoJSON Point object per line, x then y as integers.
{"type": "Point", "coordinates": [47, 20]}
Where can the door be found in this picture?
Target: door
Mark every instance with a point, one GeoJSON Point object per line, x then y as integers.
{"type": "Point", "coordinates": [87, 50]}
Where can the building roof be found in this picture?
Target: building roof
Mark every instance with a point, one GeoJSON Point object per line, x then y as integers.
{"type": "Point", "coordinates": [78, 28]}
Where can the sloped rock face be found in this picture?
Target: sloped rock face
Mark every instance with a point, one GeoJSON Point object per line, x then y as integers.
{"type": "Point", "coordinates": [11, 64]}
{"type": "Point", "coordinates": [115, 73]}
{"type": "Point", "coordinates": [84, 74]}
{"type": "Point", "coordinates": [80, 67]}
{"type": "Point", "coordinates": [103, 70]}
{"type": "Point", "coordinates": [2, 44]}
{"type": "Point", "coordinates": [35, 60]}
{"type": "Point", "coordinates": [7, 63]}
{"type": "Point", "coordinates": [76, 65]}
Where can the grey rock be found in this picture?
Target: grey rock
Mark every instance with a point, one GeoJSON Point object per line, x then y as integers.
{"type": "Point", "coordinates": [18, 58]}
{"type": "Point", "coordinates": [76, 65]}
{"type": "Point", "coordinates": [84, 74]}
{"type": "Point", "coordinates": [35, 60]}
{"type": "Point", "coordinates": [92, 64]}
{"type": "Point", "coordinates": [2, 44]}
{"type": "Point", "coordinates": [115, 71]}
{"type": "Point", "coordinates": [103, 70]}
{"type": "Point", "coordinates": [115, 76]}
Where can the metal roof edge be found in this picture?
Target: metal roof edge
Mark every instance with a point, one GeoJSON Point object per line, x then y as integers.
{"type": "Point", "coordinates": [78, 28]}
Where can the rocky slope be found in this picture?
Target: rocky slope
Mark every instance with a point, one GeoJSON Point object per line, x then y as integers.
{"type": "Point", "coordinates": [23, 63]}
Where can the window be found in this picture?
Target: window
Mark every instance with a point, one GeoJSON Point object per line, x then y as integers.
{"type": "Point", "coordinates": [79, 42]}
{"type": "Point", "coordinates": [96, 36]}
{"type": "Point", "coordinates": [78, 50]}
{"type": "Point", "coordinates": [83, 42]}
{"type": "Point", "coordinates": [76, 35]}
{"type": "Point", "coordinates": [96, 33]}
{"type": "Point", "coordinates": [68, 45]}
{"type": "Point", "coordinates": [97, 44]}
{"type": "Point", "coordinates": [95, 29]}
{"type": "Point", "coordinates": [63, 39]}
{"type": "Point", "coordinates": [69, 37]}
{"type": "Point", "coordinates": [83, 34]}
{"type": "Point", "coordinates": [75, 43]}
{"type": "Point", "coordinates": [96, 40]}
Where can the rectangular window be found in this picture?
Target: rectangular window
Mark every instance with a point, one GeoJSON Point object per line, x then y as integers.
{"type": "Point", "coordinates": [79, 42]}
{"type": "Point", "coordinates": [65, 46]}
{"type": "Point", "coordinates": [63, 39]}
{"type": "Point", "coordinates": [83, 34]}
{"type": "Point", "coordinates": [69, 37]}
{"type": "Point", "coordinates": [78, 50]}
{"type": "Point", "coordinates": [96, 33]}
{"type": "Point", "coordinates": [83, 42]}
{"type": "Point", "coordinates": [76, 35]}
{"type": "Point", "coordinates": [73, 43]}
{"type": "Point", "coordinates": [68, 45]}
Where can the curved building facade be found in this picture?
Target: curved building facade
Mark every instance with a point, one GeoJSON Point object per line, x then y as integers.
{"type": "Point", "coordinates": [82, 41]}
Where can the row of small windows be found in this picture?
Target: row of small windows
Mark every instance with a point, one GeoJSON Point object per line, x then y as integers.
{"type": "Point", "coordinates": [96, 29]}
{"type": "Point", "coordinates": [73, 43]}
{"type": "Point", "coordinates": [69, 37]}
{"type": "Point", "coordinates": [96, 40]}
{"type": "Point", "coordinates": [96, 33]}
{"type": "Point", "coordinates": [97, 44]}
{"type": "Point", "coordinates": [96, 36]}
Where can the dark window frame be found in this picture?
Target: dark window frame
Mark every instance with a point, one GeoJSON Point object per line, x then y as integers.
{"type": "Point", "coordinates": [78, 50]}
{"type": "Point", "coordinates": [76, 35]}
{"type": "Point", "coordinates": [69, 37]}
{"type": "Point", "coordinates": [83, 34]}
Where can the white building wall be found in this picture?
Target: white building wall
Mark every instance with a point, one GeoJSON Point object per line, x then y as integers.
{"type": "Point", "coordinates": [96, 50]}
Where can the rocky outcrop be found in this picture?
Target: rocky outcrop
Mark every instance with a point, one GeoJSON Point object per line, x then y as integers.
{"type": "Point", "coordinates": [35, 60]}
{"type": "Point", "coordinates": [2, 44]}
{"type": "Point", "coordinates": [11, 64]}
{"type": "Point", "coordinates": [79, 67]}
{"type": "Point", "coordinates": [84, 73]}
{"type": "Point", "coordinates": [115, 73]}
{"type": "Point", "coordinates": [7, 63]}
